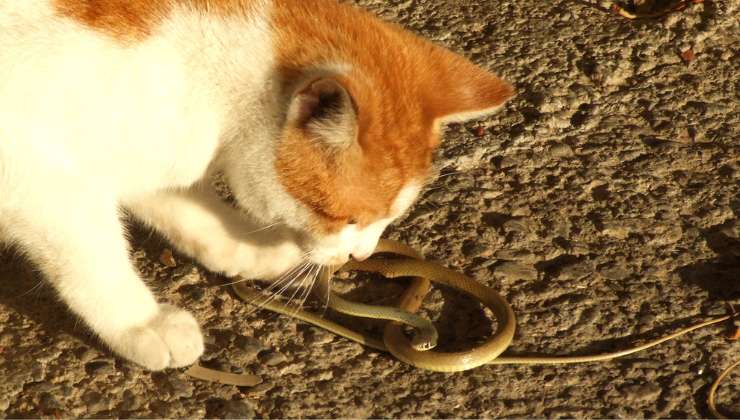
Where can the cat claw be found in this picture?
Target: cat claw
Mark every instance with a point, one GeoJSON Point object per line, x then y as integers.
{"type": "Point", "coordinates": [172, 339]}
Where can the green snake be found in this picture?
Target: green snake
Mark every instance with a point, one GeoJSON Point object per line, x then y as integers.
{"type": "Point", "coordinates": [417, 351]}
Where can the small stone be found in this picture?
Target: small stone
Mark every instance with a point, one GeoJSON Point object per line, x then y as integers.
{"type": "Point", "coordinates": [87, 354]}
{"type": "Point", "coordinates": [617, 232]}
{"type": "Point", "coordinates": [518, 225]}
{"type": "Point", "coordinates": [226, 409]}
{"type": "Point", "coordinates": [260, 389]}
{"type": "Point", "coordinates": [49, 404]}
{"type": "Point", "coordinates": [524, 211]}
{"type": "Point", "coordinates": [561, 151]}
{"type": "Point", "coordinates": [326, 375]}
{"type": "Point", "coordinates": [615, 273]}
{"type": "Point", "coordinates": [575, 271]}
{"type": "Point", "coordinates": [318, 337]}
{"type": "Point", "coordinates": [249, 346]}
{"type": "Point", "coordinates": [181, 388]}
{"type": "Point", "coordinates": [40, 387]}
{"type": "Point", "coordinates": [507, 162]}
{"type": "Point", "coordinates": [130, 401]}
{"type": "Point", "coordinates": [642, 392]}
{"type": "Point", "coordinates": [515, 271]}
{"type": "Point", "coordinates": [473, 249]}
{"type": "Point", "coordinates": [100, 367]}
{"type": "Point", "coordinates": [668, 235]}
{"type": "Point", "coordinates": [274, 359]}
{"type": "Point", "coordinates": [94, 402]}
{"type": "Point", "coordinates": [91, 397]}
{"type": "Point", "coordinates": [186, 274]}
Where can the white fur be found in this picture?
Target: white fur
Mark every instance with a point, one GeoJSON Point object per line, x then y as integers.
{"type": "Point", "coordinates": [360, 243]}
{"type": "Point", "coordinates": [89, 127]}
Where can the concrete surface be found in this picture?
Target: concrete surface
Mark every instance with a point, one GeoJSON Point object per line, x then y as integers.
{"type": "Point", "coordinates": [603, 202]}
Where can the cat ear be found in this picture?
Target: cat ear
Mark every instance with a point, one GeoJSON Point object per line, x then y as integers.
{"type": "Point", "coordinates": [462, 91]}
{"type": "Point", "coordinates": [324, 110]}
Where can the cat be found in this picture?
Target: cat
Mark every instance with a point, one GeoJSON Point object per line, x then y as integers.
{"type": "Point", "coordinates": [322, 119]}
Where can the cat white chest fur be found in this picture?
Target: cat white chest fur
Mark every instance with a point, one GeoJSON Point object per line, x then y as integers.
{"type": "Point", "coordinates": [322, 119]}
{"type": "Point", "coordinates": [140, 117]}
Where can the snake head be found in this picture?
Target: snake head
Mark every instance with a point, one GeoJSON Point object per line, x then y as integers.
{"type": "Point", "coordinates": [424, 340]}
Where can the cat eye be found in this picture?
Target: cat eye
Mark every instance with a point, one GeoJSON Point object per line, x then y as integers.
{"type": "Point", "coordinates": [352, 222]}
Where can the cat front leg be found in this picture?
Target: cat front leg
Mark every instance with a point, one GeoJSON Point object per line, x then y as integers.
{"type": "Point", "coordinates": [221, 238]}
{"type": "Point", "coordinates": [82, 251]}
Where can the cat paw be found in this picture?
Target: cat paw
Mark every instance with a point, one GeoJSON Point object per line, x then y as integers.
{"type": "Point", "coordinates": [172, 339]}
{"type": "Point", "coordinates": [250, 261]}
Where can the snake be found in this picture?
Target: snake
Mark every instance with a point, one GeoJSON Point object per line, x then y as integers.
{"type": "Point", "coordinates": [417, 351]}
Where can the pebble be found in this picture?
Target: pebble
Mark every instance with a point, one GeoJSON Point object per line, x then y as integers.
{"type": "Point", "coordinates": [642, 392]}
{"type": "Point", "coordinates": [668, 235]}
{"type": "Point", "coordinates": [274, 359]}
{"type": "Point", "coordinates": [250, 347]}
{"type": "Point", "coordinates": [87, 354]}
{"type": "Point", "coordinates": [227, 409]}
{"type": "Point", "coordinates": [515, 271]}
{"type": "Point", "coordinates": [325, 375]}
{"type": "Point", "coordinates": [181, 388]}
{"type": "Point", "coordinates": [94, 401]}
{"type": "Point", "coordinates": [48, 403]}
{"type": "Point", "coordinates": [473, 249]}
{"type": "Point", "coordinates": [575, 271]}
{"type": "Point", "coordinates": [561, 150]}
{"type": "Point", "coordinates": [130, 401]}
{"type": "Point", "coordinates": [318, 337]}
{"type": "Point", "coordinates": [615, 273]}
{"type": "Point", "coordinates": [100, 367]}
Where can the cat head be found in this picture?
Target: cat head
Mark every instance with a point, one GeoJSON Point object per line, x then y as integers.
{"type": "Point", "coordinates": [364, 106]}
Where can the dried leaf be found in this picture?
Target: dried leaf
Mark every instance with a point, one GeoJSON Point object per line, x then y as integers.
{"type": "Point", "coordinates": [167, 258]}
{"type": "Point", "coordinates": [688, 55]}
{"type": "Point", "coordinates": [480, 131]}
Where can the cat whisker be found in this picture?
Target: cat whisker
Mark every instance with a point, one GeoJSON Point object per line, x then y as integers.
{"type": "Point", "coordinates": [303, 276]}
{"type": "Point", "coordinates": [262, 229]}
{"type": "Point", "coordinates": [279, 285]}
{"type": "Point", "coordinates": [287, 283]}
{"type": "Point", "coordinates": [326, 301]}
{"type": "Point", "coordinates": [311, 281]}
{"type": "Point", "coordinates": [259, 303]}
{"type": "Point", "coordinates": [285, 276]}
{"type": "Point", "coordinates": [38, 286]}
{"type": "Point", "coordinates": [279, 279]}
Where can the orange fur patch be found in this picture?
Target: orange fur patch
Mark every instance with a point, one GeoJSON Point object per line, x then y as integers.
{"type": "Point", "coordinates": [135, 20]}
{"type": "Point", "coordinates": [402, 85]}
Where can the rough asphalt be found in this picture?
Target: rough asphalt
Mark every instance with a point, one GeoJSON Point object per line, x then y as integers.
{"type": "Point", "coordinates": [603, 202]}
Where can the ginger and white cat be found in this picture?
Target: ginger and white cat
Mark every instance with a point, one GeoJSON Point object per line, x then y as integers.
{"type": "Point", "coordinates": [322, 118]}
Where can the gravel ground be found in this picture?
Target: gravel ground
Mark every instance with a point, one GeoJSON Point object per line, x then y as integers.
{"type": "Point", "coordinates": [602, 202]}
